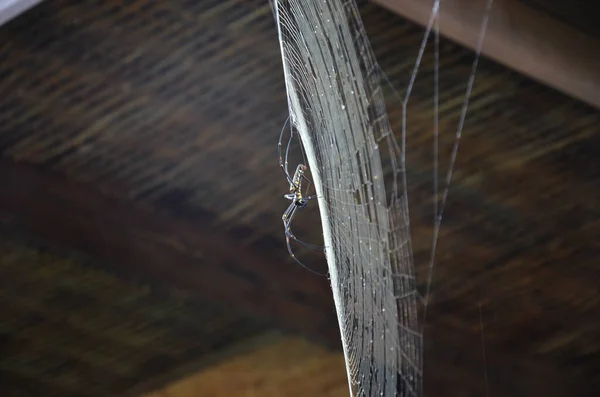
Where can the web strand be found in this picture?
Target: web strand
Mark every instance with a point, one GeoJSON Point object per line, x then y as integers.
{"type": "Point", "coordinates": [436, 115]}
{"type": "Point", "coordinates": [359, 172]}
{"type": "Point", "coordinates": [337, 107]}
{"type": "Point", "coordinates": [485, 372]}
{"type": "Point", "coordinates": [459, 130]}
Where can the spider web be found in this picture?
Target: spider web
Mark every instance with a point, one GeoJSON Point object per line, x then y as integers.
{"type": "Point", "coordinates": [337, 106]}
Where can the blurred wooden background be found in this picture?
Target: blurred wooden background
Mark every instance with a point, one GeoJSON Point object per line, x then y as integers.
{"type": "Point", "coordinates": [142, 252]}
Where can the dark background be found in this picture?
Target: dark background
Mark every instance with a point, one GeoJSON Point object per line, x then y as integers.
{"type": "Point", "coordinates": [140, 206]}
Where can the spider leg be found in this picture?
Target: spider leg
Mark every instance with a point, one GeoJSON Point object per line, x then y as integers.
{"type": "Point", "coordinates": [284, 161]}
{"type": "Point", "coordinates": [314, 196]}
{"type": "Point", "coordinates": [289, 247]}
{"type": "Point", "coordinates": [302, 150]}
{"type": "Point", "coordinates": [306, 245]}
{"type": "Point", "coordinates": [308, 188]}
{"type": "Point", "coordinates": [289, 230]}
{"type": "Point", "coordinates": [291, 235]}
{"type": "Point", "coordinates": [288, 215]}
{"type": "Point", "coordinates": [281, 162]}
{"type": "Point", "coordinates": [307, 180]}
{"type": "Point", "coordinates": [287, 218]}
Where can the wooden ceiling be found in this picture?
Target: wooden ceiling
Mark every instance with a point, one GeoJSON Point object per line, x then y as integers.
{"type": "Point", "coordinates": [141, 201]}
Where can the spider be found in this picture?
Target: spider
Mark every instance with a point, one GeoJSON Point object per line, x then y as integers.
{"type": "Point", "coordinates": [298, 200]}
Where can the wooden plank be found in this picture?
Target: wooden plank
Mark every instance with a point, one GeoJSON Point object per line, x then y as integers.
{"type": "Point", "coordinates": [520, 37]}
{"type": "Point", "coordinates": [195, 257]}
{"type": "Point", "coordinates": [280, 367]}
{"type": "Point", "coordinates": [144, 242]}
{"type": "Point", "coordinates": [288, 366]}
{"type": "Point", "coordinates": [578, 13]}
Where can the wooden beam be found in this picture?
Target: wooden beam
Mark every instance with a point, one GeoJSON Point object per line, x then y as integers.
{"type": "Point", "coordinates": [519, 37]}
{"type": "Point", "coordinates": [578, 13]}
{"type": "Point", "coordinates": [144, 242]}
{"type": "Point", "coordinates": [314, 371]}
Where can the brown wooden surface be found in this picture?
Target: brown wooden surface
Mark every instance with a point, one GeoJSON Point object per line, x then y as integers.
{"type": "Point", "coordinates": [144, 134]}
{"type": "Point", "coordinates": [167, 249]}
{"type": "Point", "coordinates": [281, 366]}
{"type": "Point", "coordinates": [286, 366]}
{"type": "Point", "coordinates": [69, 327]}
{"type": "Point", "coordinates": [150, 253]}
{"type": "Point", "coordinates": [580, 14]}
{"type": "Point", "coordinates": [522, 38]}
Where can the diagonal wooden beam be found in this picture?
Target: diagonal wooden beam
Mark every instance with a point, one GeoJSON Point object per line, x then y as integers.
{"type": "Point", "coordinates": [144, 242]}
{"type": "Point", "coordinates": [521, 38]}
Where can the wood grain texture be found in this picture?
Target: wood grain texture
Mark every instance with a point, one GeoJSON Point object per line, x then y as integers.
{"type": "Point", "coordinates": [144, 133]}
{"type": "Point", "coordinates": [283, 367]}
{"type": "Point", "coordinates": [70, 328]}
{"type": "Point", "coordinates": [166, 249]}
{"type": "Point", "coordinates": [64, 206]}
{"type": "Point", "coordinates": [578, 13]}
